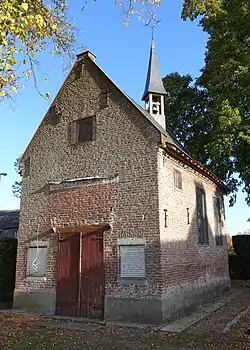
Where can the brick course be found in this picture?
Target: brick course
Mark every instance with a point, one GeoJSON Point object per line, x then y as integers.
{"type": "Point", "coordinates": [130, 182]}
{"type": "Point", "coordinates": [186, 265]}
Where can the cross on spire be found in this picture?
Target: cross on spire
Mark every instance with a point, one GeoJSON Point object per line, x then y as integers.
{"type": "Point", "coordinates": [152, 23]}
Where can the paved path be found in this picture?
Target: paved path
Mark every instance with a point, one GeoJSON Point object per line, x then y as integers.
{"type": "Point", "coordinates": [220, 320]}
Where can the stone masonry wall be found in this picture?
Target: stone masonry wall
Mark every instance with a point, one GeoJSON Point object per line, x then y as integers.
{"type": "Point", "coordinates": [65, 207]}
{"type": "Point", "coordinates": [125, 149]}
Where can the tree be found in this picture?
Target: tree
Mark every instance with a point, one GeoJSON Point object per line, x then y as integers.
{"type": "Point", "coordinates": [184, 108]}
{"type": "Point", "coordinates": [17, 187]}
{"type": "Point", "coordinates": [220, 106]}
{"type": "Point", "coordinates": [194, 119]}
{"type": "Point", "coordinates": [28, 27]}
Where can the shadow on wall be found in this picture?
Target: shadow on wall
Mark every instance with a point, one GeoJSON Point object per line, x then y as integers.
{"type": "Point", "coordinates": [190, 274]}
{"type": "Point", "coordinates": [181, 274]}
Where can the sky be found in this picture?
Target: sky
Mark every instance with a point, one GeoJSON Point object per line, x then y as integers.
{"type": "Point", "coordinates": [122, 52]}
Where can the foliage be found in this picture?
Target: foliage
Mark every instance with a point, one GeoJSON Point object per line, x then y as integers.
{"type": "Point", "coordinates": [17, 187]}
{"type": "Point", "coordinates": [8, 249]}
{"type": "Point", "coordinates": [27, 28]}
{"type": "Point", "coordinates": [141, 8]}
{"type": "Point", "coordinates": [231, 251]}
{"type": "Point", "coordinates": [194, 8]}
{"type": "Point", "coordinates": [219, 104]}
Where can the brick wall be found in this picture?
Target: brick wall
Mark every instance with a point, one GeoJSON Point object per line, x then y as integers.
{"type": "Point", "coordinates": [187, 265]}
{"type": "Point", "coordinates": [121, 178]}
{"type": "Point", "coordinates": [125, 149]}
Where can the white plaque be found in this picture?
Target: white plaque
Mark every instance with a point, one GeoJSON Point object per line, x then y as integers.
{"type": "Point", "coordinates": [132, 261]}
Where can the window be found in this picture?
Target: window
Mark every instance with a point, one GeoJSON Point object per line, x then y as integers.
{"type": "Point", "coordinates": [27, 167]}
{"type": "Point", "coordinates": [82, 130]}
{"type": "Point", "coordinates": [37, 261]}
{"type": "Point", "coordinates": [86, 129]}
{"type": "Point", "coordinates": [218, 221]}
{"type": "Point", "coordinates": [201, 212]}
{"type": "Point", "coordinates": [177, 179]}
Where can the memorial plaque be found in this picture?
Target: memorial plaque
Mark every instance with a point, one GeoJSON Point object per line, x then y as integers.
{"type": "Point", "coordinates": [132, 261]}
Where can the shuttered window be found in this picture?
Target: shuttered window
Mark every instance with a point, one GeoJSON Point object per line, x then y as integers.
{"type": "Point", "coordinates": [217, 221]}
{"type": "Point", "coordinates": [201, 212]}
{"type": "Point", "coordinates": [85, 129]}
{"type": "Point", "coordinates": [177, 179]}
{"type": "Point", "coordinates": [81, 130]}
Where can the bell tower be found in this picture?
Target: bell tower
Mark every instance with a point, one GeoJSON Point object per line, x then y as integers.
{"type": "Point", "coordinates": [154, 92]}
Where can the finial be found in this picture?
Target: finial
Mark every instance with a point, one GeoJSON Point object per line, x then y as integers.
{"type": "Point", "coordinates": [152, 24]}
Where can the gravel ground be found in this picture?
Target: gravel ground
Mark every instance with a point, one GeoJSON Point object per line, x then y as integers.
{"type": "Point", "coordinates": [19, 332]}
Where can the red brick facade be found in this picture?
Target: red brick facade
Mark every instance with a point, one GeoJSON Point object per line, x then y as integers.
{"type": "Point", "coordinates": [121, 178]}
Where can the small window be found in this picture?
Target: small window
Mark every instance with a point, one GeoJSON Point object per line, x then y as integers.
{"type": "Point", "coordinates": [218, 221]}
{"type": "Point", "coordinates": [37, 261]}
{"type": "Point", "coordinates": [177, 179]}
{"type": "Point", "coordinates": [81, 130]}
{"type": "Point", "coordinates": [201, 216]}
{"type": "Point", "coordinates": [27, 167]}
{"type": "Point", "coordinates": [85, 129]}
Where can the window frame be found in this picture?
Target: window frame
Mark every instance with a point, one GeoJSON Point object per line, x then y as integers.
{"type": "Point", "coordinates": [74, 131]}
{"type": "Point", "coordinates": [178, 179]}
{"type": "Point", "coordinates": [202, 231]}
{"type": "Point", "coordinates": [81, 122]}
{"type": "Point", "coordinates": [217, 207]}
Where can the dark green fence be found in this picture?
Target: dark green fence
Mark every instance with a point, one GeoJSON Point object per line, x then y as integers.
{"type": "Point", "coordinates": [8, 251]}
{"type": "Point", "coordinates": [239, 264]}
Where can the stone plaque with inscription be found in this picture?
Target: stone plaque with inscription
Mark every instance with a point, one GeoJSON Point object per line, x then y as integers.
{"type": "Point", "coordinates": [132, 261]}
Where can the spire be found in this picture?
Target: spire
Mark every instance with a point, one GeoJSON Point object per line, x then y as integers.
{"type": "Point", "coordinates": [154, 82]}
{"type": "Point", "coordinates": [154, 90]}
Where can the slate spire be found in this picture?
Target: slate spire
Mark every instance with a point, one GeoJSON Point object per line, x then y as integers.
{"type": "Point", "coordinates": [154, 82]}
{"type": "Point", "coordinates": [154, 92]}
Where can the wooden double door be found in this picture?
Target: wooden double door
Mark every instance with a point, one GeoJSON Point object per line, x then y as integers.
{"type": "Point", "coordinates": [80, 287]}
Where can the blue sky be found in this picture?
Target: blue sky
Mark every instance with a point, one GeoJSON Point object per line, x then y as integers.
{"type": "Point", "coordinates": [123, 54]}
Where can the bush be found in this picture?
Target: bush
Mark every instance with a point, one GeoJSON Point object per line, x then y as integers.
{"type": "Point", "coordinates": [8, 250]}
{"type": "Point", "coordinates": [239, 262]}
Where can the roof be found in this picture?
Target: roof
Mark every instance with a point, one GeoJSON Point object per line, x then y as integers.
{"type": "Point", "coordinates": [146, 114]}
{"type": "Point", "coordinates": [9, 219]}
{"type": "Point", "coordinates": [177, 147]}
{"type": "Point", "coordinates": [154, 82]}
{"type": "Point", "coordinates": [167, 133]}
{"type": "Point", "coordinates": [152, 120]}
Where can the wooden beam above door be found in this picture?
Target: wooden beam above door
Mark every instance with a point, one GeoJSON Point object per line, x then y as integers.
{"type": "Point", "coordinates": [85, 228]}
